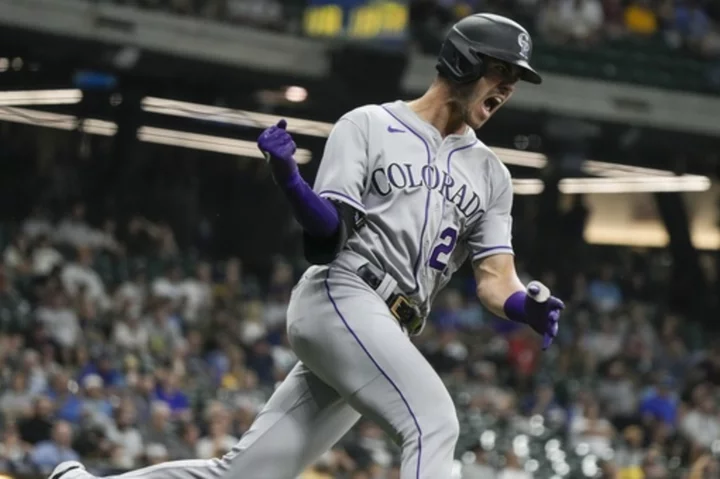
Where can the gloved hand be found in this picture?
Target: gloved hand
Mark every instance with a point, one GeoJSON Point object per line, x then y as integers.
{"type": "Point", "coordinates": [278, 147]}
{"type": "Point", "coordinates": [542, 311]}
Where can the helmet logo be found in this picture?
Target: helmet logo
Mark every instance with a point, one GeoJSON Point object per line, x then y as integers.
{"type": "Point", "coordinates": [524, 42]}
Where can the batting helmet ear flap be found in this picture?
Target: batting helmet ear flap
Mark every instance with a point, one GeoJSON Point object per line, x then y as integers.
{"type": "Point", "coordinates": [458, 61]}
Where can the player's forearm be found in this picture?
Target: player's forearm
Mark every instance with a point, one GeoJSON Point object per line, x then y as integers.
{"type": "Point", "coordinates": [502, 295]}
{"type": "Point", "coordinates": [317, 215]}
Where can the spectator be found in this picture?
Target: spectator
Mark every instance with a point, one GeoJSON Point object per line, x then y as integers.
{"type": "Point", "coordinates": [37, 427]}
{"type": "Point", "coordinates": [236, 285]}
{"type": "Point", "coordinates": [479, 469]}
{"type": "Point", "coordinates": [156, 454]}
{"type": "Point", "coordinates": [102, 366]}
{"type": "Point", "coordinates": [48, 454]}
{"type": "Point", "coordinates": [614, 15]}
{"type": "Point", "coordinates": [571, 20]}
{"type": "Point", "coordinates": [168, 391]}
{"type": "Point", "coordinates": [170, 286]}
{"type": "Point", "coordinates": [16, 257]}
{"type": "Point", "coordinates": [132, 294]}
{"type": "Point", "coordinates": [617, 393]}
{"type": "Point", "coordinates": [96, 408]}
{"type": "Point", "coordinates": [164, 332]}
{"type": "Point", "coordinates": [543, 403]}
{"type": "Point", "coordinates": [45, 257]}
{"type": "Point", "coordinates": [701, 424]}
{"type": "Point", "coordinates": [126, 437]}
{"type": "Point", "coordinates": [74, 230]}
{"type": "Point", "coordinates": [691, 22]}
{"type": "Point", "coordinates": [197, 293]}
{"type": "Point", "coordinates": [324, 468]}
{"type": "Point", "coordinates": [592, 429]}
{"type": "Point", "coordinates": [61, 321]}
{"type": "Point", "coordinates": [604, 292]}
{"type": "Point", "coordinates": [219, 441]}
{"type": "Point", "coordinates": [606, 343]}
{"type": "Point", "coordinates": [188, 444]}
{"type": "Point", "coordinates": [630, 454]}
{"type": "Point", "coordinates": [68, 404]}
{"type": "Point", "coordinates": [640, 19]}
{"type": "Point", "coordinates": [159, 429]}
{"type": "Point", "coordinates": [14, 310]}
{"type": "Point", "coordinates": [660, 404]}
{"type": "Point", "coordinates": [80, 274]}
{"type": "Point", "coordinates": [131, 334]}
{"type": "Point", "coordinates": [16, 401]}
{"type": "Point", "coordinates": [513, 469]}
{"type": "Point", "coordinates": [37, 224]}
{"type": "Point", "coordinates": [12, 449]}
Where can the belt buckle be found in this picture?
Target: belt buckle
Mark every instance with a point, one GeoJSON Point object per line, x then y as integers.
{"type": "Point", "coordinates": [398, 303]}
{"type": "Point", "coordinates": [402, 309]}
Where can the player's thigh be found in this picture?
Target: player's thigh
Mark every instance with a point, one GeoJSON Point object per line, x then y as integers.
{"type": "Point", "coordinates": [303, 419]}
{"type": "Point", "coordinates": [347, 336]}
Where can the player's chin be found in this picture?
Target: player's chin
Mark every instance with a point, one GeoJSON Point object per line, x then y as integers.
{"type": "Point", "coordinates": [479, 118]}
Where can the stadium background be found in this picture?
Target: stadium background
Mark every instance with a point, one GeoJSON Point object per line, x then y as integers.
{"type": "Point", "coordinates": [148, 258]}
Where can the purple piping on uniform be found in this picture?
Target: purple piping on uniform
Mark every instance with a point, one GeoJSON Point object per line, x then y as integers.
{"type": "Point", "coordinates": [427, 200]}
{"type": "Point", "coordinates": [353, 202]}
{"type": "Point", "coordinates": [380, 369]}
{"type": "Point", "coordinates": [485, 250]}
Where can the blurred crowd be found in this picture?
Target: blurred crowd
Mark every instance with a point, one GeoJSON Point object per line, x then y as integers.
{"type": "Point", "coordinates": [687, 24]}
{"type": "Point", "coordinates": [117, 349]}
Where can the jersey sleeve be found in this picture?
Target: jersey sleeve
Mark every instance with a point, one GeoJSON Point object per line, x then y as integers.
{"type": "Point", "coordinates": [341, 179]}
{"type": "Point", "coordinates": [492, 233]}
{"type": "Point", "coordinates": [344, 165]}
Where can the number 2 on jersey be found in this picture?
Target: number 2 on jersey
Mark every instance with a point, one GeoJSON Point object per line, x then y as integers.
{"type": "Point", "coordinates": [441, 253]}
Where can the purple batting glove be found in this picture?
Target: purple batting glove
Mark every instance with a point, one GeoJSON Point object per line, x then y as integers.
{"type": "Point", "coordinates": [543, 312]}
{"type": "Point", "coordinates": [278, 147]}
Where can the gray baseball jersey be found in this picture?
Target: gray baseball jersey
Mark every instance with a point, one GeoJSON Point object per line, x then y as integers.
{"type": "Point", "coordinates": [429, 202]}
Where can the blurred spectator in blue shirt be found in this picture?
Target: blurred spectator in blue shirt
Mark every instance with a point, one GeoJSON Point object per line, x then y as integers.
{"type": "Point", "coordinates": [62, 392]}
{"type": "Point", "coordinates": [660, 404]}
{"type": "Point", "coordinates": [691, 21]}
{"type": "Point", "coordinates": [604, 292]}
{"type": "Point", "coordinates": [168, 391]}
{"type": "Point", "coordinates": [95, 405]}
{"type": "Point", "coordinates": [48, 454]}
{"type": "Point", "coordinates": [102, 367]}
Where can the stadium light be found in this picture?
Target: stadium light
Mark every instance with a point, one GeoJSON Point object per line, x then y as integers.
{"type": "Point", "coordinates": [40, 97]}
{"type": "Point", "coordinates": [57, 121]}
{"type": "Point", "coordinates": [527, 186]}
{"type": "Point", "coordinates": [673, 184]}
{"type": "Point", "coordinates": [209, 113]}
{"type": "Point", "coordinates": [215, 144]}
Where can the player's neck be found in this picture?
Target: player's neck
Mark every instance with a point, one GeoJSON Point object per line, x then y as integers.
{"type": "Point", "coordinates": [435, 108]}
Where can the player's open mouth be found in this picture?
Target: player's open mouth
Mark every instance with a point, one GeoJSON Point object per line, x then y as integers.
{"type": "Point", "coordinates": [491, 104]}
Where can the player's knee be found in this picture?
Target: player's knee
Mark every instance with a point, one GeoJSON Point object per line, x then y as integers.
{"type": "Point", "coordinates": [447, 427]}
{"type": "Point", "coordinates": [443, 427]}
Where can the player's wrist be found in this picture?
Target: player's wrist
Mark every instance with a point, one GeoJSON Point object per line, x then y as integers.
{"type": "Point", "coordinates": [285, 173]}
{"type": "Point", "coordinates": [515, 307]}
{"type": "Point", "coordinates": [290, 179]}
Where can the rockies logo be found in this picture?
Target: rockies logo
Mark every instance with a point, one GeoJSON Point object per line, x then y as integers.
{"type": "Point", "coordinates": [524, 42]}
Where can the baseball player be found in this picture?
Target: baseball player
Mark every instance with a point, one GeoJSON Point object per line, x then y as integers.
{"type": "Point", "coordinates": [404, 195]}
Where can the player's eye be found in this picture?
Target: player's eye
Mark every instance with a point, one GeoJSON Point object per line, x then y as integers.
{"type": "Point", "coordinates": [502, 69]}
{"type": "Point", "coordinates": [506, 72]}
